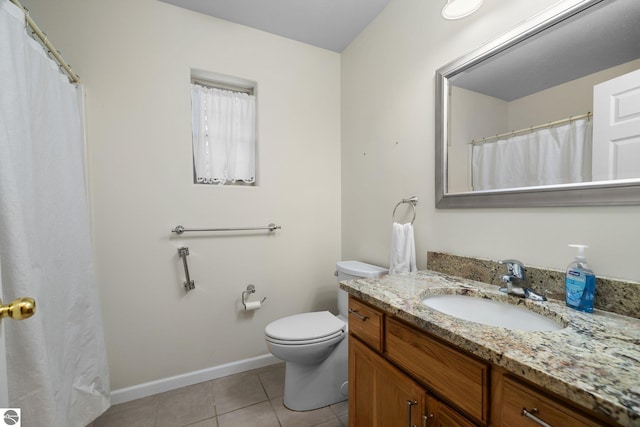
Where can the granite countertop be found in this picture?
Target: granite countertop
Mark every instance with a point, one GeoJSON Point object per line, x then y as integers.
{"type": "Point", "coordinates": [594, 361]}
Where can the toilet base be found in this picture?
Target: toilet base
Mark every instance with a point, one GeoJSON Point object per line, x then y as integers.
{"type": "Point", "coordinates": [308, 387]}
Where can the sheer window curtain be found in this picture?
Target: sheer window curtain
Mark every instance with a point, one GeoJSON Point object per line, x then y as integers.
{"type": "Point", "coordinates": [224, 135]}
{"type": "Point", "coordinates": [558, 155]}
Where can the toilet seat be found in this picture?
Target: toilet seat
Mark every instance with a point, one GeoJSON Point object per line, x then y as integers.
{"type": "Point", "coordinates": [304, 342]}
{"type": "Point", "coordinates": [305, 328]}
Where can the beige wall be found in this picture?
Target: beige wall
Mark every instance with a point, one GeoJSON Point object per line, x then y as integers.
{"type": "Point", "coordinates": [134, 58]}
{"type": "Point", "coordinates": [568, 99]}
{"type": "Point", "coordinates": [388, 94]}
{"type": "Point", "coordinates": [476, 115]}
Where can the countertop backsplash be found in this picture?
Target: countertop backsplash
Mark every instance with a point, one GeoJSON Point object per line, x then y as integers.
{"type": "Point", "coordinates": [613, 295]}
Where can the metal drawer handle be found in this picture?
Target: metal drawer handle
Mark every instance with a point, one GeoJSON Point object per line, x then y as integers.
{"type": "Point", "coordinates": [426, 419]}
{"type": "Point", "coordinates": [532, 417]}
{"type": "Point", "coordinates": [358, 315]}
{"type": "Point", "coordinates": [410, 404]}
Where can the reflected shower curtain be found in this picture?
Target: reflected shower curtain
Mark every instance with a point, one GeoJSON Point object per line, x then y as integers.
{"type": "Point", "coordinates": [57, 367]}
{"type": "Point", "coordinates": [558, 155]}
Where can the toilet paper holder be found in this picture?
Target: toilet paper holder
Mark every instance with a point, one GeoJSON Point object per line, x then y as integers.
{"type": "Point", "coordinates": [250, 290]}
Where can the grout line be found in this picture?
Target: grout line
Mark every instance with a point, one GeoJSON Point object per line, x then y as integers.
{"type": "Point", "coordinates": [264, 388]}
{"type": "Point", "coordinates": [155, 421]}
{"type": "Point", "coordinates": [275, 413]}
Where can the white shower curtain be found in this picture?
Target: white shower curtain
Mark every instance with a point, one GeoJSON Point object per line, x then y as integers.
{"type": "Point", "coordinates": [558, 155]}
{"type": "Point", "coordinates": [57, 367]}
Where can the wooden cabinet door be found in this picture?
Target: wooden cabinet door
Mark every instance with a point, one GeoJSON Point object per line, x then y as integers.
{"type": "Point", "coordinates": [441, 415]}
{"type": "Point", "coordinates": [362, 398]}
{"type": "Point", "coordinates": [379, 394]}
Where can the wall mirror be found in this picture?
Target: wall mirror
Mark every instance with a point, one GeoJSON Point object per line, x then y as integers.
{"type": "Point", "coordinates": [548, 114]}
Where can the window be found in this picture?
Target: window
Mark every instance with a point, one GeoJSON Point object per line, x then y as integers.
{"type": "Point", "coordinates": [223, 131]}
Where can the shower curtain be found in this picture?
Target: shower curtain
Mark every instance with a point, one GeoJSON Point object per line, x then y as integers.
{"type": "Point", "coordinates": [57, 367]}
{"type": "Point", "coordinates": [558, 155]}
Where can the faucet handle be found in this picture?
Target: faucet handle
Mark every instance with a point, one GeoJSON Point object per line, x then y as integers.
{"type": "Point", "coordinates": [514, 267]}
{"type": "Point", "coordinates": [506, 278]}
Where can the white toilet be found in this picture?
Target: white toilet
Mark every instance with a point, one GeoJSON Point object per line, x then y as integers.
{"type": "Point", "coordinates": [314, 347]}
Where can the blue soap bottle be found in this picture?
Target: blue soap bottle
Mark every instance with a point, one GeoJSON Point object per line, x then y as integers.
{"type": "Point", "coordinates": [580, 282]}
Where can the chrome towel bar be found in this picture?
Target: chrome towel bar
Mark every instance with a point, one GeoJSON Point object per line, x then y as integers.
{"type": "Point", "coordinates": [179, 229]}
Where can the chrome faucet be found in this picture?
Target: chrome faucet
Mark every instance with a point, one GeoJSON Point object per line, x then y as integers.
{"type": "Point", "coordinates": [515, 269]}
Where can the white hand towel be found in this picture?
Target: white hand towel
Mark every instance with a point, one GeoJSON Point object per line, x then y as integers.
{"type": "Point", "coordinates": [403, 249]}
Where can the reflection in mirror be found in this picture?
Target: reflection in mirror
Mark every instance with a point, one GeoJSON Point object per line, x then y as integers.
{"type": "Point", "coordinates": [552, 105]}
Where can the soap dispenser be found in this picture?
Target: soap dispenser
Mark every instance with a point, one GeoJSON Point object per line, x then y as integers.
{"type": "Point", "coordinates": [580, 282]}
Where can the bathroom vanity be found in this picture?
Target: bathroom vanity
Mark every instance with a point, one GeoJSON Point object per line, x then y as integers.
{"type": "Point", "coordinates": [410, 365]}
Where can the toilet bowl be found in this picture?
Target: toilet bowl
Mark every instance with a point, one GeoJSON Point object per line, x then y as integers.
{"type": "Point", "coordinates": [314, 347]}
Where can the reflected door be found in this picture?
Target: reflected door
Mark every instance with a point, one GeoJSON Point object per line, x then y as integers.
{"type": "Point", "coordinates": [616, 128]}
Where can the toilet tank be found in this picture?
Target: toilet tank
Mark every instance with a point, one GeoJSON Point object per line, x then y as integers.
{"type": "Point", "coordinates": [348, 270]}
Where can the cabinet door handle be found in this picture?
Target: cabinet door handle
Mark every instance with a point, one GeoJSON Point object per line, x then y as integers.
{"type": "Point", "coordinates": [410, 404]}
{"type": "Point", "coordinates": [358, 315]}
{"type": "Point", "coordinates": [426, 419]}
{"type": "Point", "coordinates": [532, 417]}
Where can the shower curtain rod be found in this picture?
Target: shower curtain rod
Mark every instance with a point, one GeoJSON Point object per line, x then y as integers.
{"type": "Point", "coordinates": [73, 77]}
{"type": "Point", "coordinates": [532, 128]}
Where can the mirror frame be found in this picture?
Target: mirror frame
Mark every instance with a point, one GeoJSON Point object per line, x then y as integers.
{"type": "Point", "coordinates": [601, 193]}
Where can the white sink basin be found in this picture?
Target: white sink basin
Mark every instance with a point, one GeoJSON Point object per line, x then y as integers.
{"type": "Point", "coordinates": [491, 313]}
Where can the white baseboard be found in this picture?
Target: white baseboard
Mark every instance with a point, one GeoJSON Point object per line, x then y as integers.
{"type": "Point", "coordinates": [159, 386]}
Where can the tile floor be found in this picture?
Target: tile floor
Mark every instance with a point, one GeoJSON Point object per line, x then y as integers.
{"type": "Point", "coordinates": [252, 398]}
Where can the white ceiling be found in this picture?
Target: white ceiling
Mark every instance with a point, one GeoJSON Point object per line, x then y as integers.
{"type": "Point", "coordinates": [575, 49]}
{"type": "Point", "coordinates": [329, 24]}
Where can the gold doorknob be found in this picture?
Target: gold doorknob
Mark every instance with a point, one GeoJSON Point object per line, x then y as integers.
{"type": "Point", "coordinates": [18, 309]}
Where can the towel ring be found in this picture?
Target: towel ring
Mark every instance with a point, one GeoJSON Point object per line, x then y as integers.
{"type": "Point", "coordinates": [413, 201]}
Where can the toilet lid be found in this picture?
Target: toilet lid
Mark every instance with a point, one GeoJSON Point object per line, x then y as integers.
{"type": "Point", "coordinates": [305, 327]}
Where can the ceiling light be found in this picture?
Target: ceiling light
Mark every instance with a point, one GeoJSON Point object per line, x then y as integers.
{"type": "Point", "coordinates": [456, 9]}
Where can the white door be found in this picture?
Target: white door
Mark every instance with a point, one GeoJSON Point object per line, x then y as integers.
{"type": "Point", "coordinates": [616, 128]}
{"type": "Point", "coordinates": [4, 394]}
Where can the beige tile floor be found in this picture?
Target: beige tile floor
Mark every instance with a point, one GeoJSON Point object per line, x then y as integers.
{"type": "Point", "coordinates": [252, 398]}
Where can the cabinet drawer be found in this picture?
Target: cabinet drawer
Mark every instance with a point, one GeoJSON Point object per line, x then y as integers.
{"type": "Point", "coordinates": [516, 396]}
{"type": "Point", "coordinates": [365, 322]}
{"type": "Point", "coordinates": [454, 376]}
